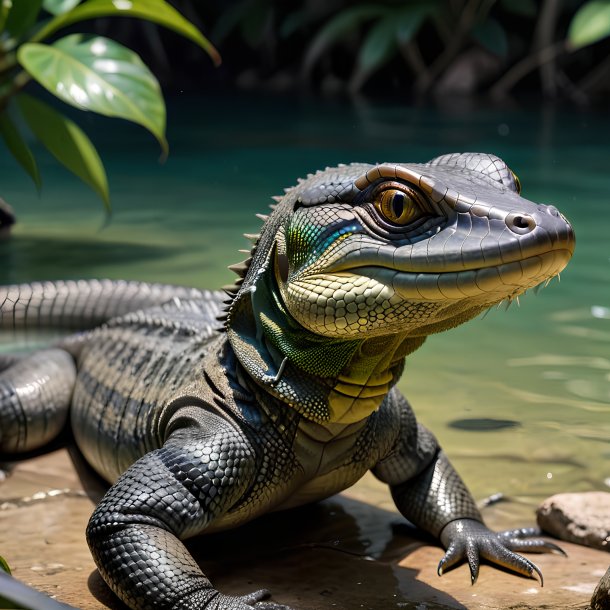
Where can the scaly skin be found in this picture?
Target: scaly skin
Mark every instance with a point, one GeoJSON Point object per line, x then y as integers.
{"type": "Point", "coordinates": [201, 430]}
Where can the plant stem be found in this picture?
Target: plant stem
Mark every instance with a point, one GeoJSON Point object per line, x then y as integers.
{"type": "Point", "coordinates": [464, 25]}
{"type": "Point", "coordinates": [413, 58]}
{"type": "Point", "coordinates": [525, 66]}
{"type": "Point", "coordinates": [596, 76]}
{"type": "Point", "coordinates": [543, 38]}
{"type": "Point", "coordinates": [17, 84]}
{"type": "Point", "coordinates": [8, 62]}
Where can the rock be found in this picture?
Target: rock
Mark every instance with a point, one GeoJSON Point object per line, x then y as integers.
{"type": "Point", "coordinates": [601, 595]}
{"type": "Point", "coordinates": [7, 218]}
{"type": "Point", "coordinates": [583, 518]}
{"type": "Point", "coordinates": [468, 72]}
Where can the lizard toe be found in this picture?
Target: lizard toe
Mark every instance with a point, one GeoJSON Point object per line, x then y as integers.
{"type": "Point", "coordinates": [250, 601]}
{"type": "Point", "coordinates": [521, 532]}
{"type": "Point", "coordinates": [257, 601]}
{"type": "Point", "coordinates": [534, 545]}
{"type": "Point", "coordinates": [255, 596]}
{"type": "Point", "coordinates": [500, 554]}
{"type": "Point", "coordinates": [472, 556]}
{"type": "Point", "coordinates": [453, 555]}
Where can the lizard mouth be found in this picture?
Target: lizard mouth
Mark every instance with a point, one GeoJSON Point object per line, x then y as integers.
{"type": "Point", "coordinates": [495, 281]}
{"type": "Point", "coordinates": [489, 283]}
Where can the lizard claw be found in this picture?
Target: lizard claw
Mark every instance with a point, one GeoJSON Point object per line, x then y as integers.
{"type": "Point", "coordinates": [457, 551]}
{"type": "Point", "coordinates": [471, 540]}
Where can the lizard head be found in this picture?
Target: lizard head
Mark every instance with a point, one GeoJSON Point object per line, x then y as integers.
{"type": "Point", "coordinates": [411, 248]}
{"type": "Point", "coordinates": [358, 264]}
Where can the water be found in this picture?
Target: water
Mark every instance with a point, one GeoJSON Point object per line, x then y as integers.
{"type": "Point", "coordinates": [520, 400]}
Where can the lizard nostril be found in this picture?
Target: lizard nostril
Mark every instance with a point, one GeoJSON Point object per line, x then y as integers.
{"type": "Point", "coordinates": [520, 223]}
{"type": "Point", "coordinates": [553, 211]}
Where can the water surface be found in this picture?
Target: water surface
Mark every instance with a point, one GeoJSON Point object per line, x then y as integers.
{"type": "Point", "coordinates": [520, 399]}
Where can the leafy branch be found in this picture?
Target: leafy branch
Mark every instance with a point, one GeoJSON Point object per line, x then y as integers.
{"type": "Point", "coordinates": [375, 33]}
{"type": "Point", "coordinates": [91, 73]}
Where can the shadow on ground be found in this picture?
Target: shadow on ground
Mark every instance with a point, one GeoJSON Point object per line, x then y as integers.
{"type": "Point", "coordinates": [346, 553]}
{"type": "Point", "coordinates": [340, 553]}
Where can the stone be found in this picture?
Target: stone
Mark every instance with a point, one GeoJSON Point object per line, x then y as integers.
{"type": "Point", "coordinates": [7, 218]}
{"type": "Point", "coordinates": [601, 595]}
{"type": "Point", "coordinates": [468, 72]}
{"type": "Point", "coordinates": [583, 518]}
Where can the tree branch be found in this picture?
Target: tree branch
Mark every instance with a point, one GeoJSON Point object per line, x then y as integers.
{"type": "Point", "coordinates": [463, 27]}
{"type": "Point", "coordinates": [525, 66]}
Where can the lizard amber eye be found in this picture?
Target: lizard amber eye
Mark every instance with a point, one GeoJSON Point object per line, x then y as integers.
{"type": "Point", "coordinates": [397, 205]}
{"type": "Point", "coordinates": [517, 181]}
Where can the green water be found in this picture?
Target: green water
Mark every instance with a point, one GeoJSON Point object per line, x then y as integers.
{"type": "Point", "coordinates": [520, 399]}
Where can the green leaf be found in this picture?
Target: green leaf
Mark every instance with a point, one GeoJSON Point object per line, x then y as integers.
{"type": "Point", "coordinates": [22, 153]}
{"type": "Point", "coordinates": [590, 24]}
{"type": "Point", "coordinates": [4, 565]}
{"type": "Point", "coordinates": [296, 21]}
{"type": "Point", "coordinates": [379, 45]}
{"type": "Point", "coordinates": [254, 28]}
{"type": "Point", "coordinates": [346, 22]}
{"type": "Point", "coordinates": [59, 7]}
{"type": "Point", "coordinates": [410, 18]}
{"type": "Point", "coordinates": [100, 75]}
{"type": "Point", "coordinates": [22, 16]}
{"type": "Point", "coordinates": [525, 8]}
{"type": "Point", "coordinates": [4, 11]}
{"type": "Point", "coordinates": [157, 11]}
{"type": "Point", "coordinates": [491, 35]}
{"type": "Point", "coordinates": [229, 19]}
{"type": "Point", "coordinates": [66, 142]}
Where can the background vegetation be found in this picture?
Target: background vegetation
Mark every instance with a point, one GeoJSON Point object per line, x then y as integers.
{"type": "Point", "coordinates": [558, 49]}
{"type": "Point", "coordinates": [416, 49]}
{"type": "Point", "coordinates": [91, 73]}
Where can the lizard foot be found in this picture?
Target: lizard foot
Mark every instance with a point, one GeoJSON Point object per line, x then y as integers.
{"type": "Point", "coordinates": [250, 601]}
{"type": "Point", "coordinates": [470, 540]}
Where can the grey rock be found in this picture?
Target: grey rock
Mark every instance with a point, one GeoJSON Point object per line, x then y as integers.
{"type": "Point", "coordinates": [583, 518]}
{"type": "Point", "coordinates": [601, 595]}
{"type": "Point", "coordinates": [468, 72]}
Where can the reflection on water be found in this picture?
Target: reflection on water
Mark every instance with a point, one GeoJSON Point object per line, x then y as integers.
{"type": "Point", "coordinates": [544, 367]}
{"type": "Point", "coordinates": [483, 424]}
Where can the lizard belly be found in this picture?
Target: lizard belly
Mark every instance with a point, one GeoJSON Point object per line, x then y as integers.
{"type": "Point", "coordinates": [329, 461]}
{"type": "Point", "coordinates": [322, 487]}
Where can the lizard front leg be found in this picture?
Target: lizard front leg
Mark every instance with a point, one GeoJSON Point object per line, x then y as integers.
{"type": "Point", "coordinates": [429, 492]}
{"type": "Point", "coordinates": [168, 495]}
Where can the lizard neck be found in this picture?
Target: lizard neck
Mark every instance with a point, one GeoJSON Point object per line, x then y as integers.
{"type": "Point", "coordinates": [375, 367]}
{"type": "Point", "coordinates": [327, 380]}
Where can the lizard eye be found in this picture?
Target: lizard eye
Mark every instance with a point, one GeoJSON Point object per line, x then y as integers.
{"type": "Point", "coordinates": [397, 204]}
